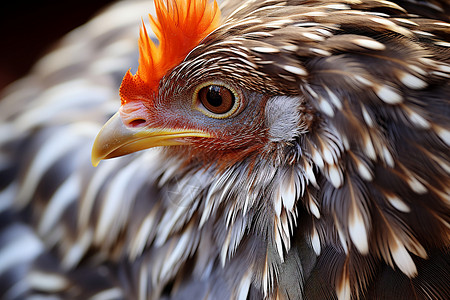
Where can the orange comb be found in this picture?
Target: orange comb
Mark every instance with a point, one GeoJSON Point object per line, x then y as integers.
{"type": "Point", "coordinates": [180, 25]}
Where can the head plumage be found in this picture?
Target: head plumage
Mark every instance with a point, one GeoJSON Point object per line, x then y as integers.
{"type": "Point", "coordinates": [179, 25]}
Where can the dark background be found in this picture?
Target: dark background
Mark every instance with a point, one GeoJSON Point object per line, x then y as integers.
{"type": "Point", "coordinates": [28, 29]}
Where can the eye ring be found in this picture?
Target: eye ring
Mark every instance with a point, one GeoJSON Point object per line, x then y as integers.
{"type": "Point", "coordinates": [216, 100]}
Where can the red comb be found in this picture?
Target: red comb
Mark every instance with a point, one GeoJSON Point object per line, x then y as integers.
{"type": "Point", "coordinates": [180, 25]}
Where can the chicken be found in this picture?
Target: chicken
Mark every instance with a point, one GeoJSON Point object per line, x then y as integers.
{"type": "Point", "coordinates": [290, 150]}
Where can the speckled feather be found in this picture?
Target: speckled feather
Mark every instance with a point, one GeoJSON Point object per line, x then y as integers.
{"type": "Point", "coordinates": [343, 192]}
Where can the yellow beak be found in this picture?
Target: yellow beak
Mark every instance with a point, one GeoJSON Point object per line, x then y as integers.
{"type": "Point", "coordinates": [115, 139]}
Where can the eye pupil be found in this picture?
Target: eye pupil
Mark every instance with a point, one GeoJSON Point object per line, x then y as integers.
{"type": "Point", "coordinates": [216, 98]}
{"type": "Point", "coordinates": [213, 95]}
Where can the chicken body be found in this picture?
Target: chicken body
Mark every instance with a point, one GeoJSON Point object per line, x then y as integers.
{"type": "Point", "coordinates": [327, 177]}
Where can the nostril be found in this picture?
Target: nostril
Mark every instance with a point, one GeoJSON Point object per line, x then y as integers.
{"type": "Point", "coordinates": [137, 123]}
{"type": "Point", "coordinates": [134, 115]}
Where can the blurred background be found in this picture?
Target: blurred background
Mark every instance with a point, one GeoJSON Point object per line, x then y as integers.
{"type": "Point", "coordinates": [29, 29]}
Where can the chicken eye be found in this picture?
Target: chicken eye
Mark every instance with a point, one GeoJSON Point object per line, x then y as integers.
{"type": "Point", "coordinates": [216, 100]}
